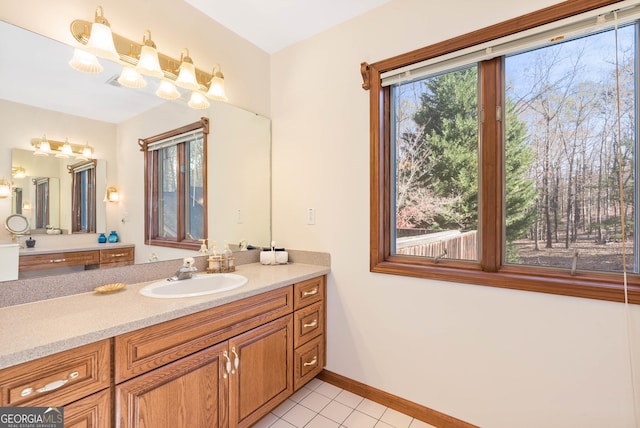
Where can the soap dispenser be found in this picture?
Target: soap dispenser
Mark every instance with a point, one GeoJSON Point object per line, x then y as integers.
{"type": "Point", "coordinates": [228, 260]}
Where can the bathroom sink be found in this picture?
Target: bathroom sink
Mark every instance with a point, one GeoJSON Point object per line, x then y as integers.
{"type": "Point", "coordinates": [199, 285]}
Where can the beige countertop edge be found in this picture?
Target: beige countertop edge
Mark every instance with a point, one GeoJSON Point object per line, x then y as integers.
{"type": "Point", "coordinates": [46, 327]}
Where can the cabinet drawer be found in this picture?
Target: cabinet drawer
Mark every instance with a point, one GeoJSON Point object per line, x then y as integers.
{"type": "Point", "coordinates": [93, 411]}
{"type": "Point", "coordinates": [143, 350]}
{"type": "Point", "coordinates": [308, 361]}
{"type": "Point", "coordinates": [58, 379]}
{"type": "Point", "coordinates": [308, 323]}
{"type": "Point", "coordinates": [56, 260]}
{"type": "Point", "coordinates": [117, 255]}
{"type": "Point", "coordinates": [309, 291]}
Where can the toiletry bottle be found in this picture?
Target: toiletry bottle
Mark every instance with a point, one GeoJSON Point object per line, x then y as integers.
{"type": "Point", "coordinates": [227, 256]}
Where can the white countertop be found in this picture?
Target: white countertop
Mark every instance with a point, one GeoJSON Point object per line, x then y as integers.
{"type": "Point", "coordinates": [37, 329]}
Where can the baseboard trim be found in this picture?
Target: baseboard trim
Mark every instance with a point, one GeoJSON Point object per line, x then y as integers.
{"type": "Point", "coordinates": [407, 407]}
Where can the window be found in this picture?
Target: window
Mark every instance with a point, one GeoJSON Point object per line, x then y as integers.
{"type": "Point", "coordinates": [83, 196]}
{"type": "Point", "coordinates": [501, 157]}
{"type": "Point", "coordinates": [175, 186]}
{"type": "Point", "coordinates": [42, 202]}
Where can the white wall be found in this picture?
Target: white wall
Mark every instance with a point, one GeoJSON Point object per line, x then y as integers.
{"type": "Point", "coordinates": [493, 357]}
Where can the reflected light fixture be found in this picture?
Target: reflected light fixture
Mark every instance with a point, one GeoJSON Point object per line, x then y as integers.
{"type": "Point", "coordinates": [198, 100]}
{"type": "Point", "coordinates": [167, 90]}
{"type": "Point", "coordinates": [187, 72]}
{"type": "Point", "coordinates": [148, 63]}
{"type": "Point", "coordinates": [18, 172]}
{"type": "Point", "coordinates": [26, 206]}
{"type": "Point", "coordinates": [85, 62]}
{"type": "Point", "coordinates": [5, 188]}
{"type": "Point", "coordinates": [101, 39]}
{"type": "Point", "coordinates": [61, 149]}
{"type": "Point", "coordinates": [216, 85]}
{"type": "Point", "coordinates": [130, 78]}
{"type": "Point", "coordinates": [142, 59]}
{"type": "Point", "coordinates": [112, 195]}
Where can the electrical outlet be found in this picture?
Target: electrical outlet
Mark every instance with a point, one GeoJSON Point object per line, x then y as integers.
{"type": "Point", "coordinates": [311, 216]}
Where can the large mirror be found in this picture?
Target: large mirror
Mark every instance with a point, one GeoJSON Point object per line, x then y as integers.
{"type": "Point", "coordinates": [46, 96]}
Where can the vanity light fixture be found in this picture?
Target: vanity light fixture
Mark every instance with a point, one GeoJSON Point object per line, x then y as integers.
{"type": "Point", "coordinates": [216, 85]}
{"type": "Point", "coordinates": [43, 148]}
{"type": "Point", "coordinates": [100, 41]}
{"type": "Point", "coordinates": [187, 72]}
{"type": "Point", "coordinates": [112, 195]}
{"type": "Point", "coordinates": [148, 63]}
{"type": "Point", "coordinates": [26, 205]}
{"type": "Point", "coordinates": [5, 188]}
{"type": "Point", "coordinates": [143, 59]}
{"type": "Point", "coordinates": [60, 149]}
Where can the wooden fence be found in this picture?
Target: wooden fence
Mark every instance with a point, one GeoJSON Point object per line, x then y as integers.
{"type": "Point", "coordinates": [458, 245]}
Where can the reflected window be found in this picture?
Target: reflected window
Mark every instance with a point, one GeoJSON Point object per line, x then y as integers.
{"type": "Point", "coordinates": [42, 202]}
{"type": "Point", "coordinates": [83, 196]}
{"type": "Point", "coordinates": [175, 188]}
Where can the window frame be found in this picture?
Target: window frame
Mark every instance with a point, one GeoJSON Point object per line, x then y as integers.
{"type": "Point", "coordinates": [489, 270]}
{"type": "Point", "coordinates": [76, 196]}
{"type": "Point", "coordinates": [150, 185]}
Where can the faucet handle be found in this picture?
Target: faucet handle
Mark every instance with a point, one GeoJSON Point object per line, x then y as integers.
{"type": "Point", "coordinates": [188, 262]}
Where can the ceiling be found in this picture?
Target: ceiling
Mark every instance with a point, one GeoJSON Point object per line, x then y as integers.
{"type": "Point", "coordinates": [275, 24]}
{"type": "Point", "coordinates": [271, 25]}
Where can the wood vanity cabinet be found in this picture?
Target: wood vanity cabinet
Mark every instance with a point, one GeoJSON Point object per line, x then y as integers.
{"type": "Point", "coordinates": [309, 329]}
{"type": "Point", "coordinates": [90, 259]}
{"type": "Point", "coordinates": [226, 366]}
{"type": "Point", "coordinates": [57, 260]}
{"type": "Point", "coordinates": [78, 379]}
{"type": "Point", "coordinates": [113, 257]}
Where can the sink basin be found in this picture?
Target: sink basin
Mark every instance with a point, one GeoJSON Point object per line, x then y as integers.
{"type": "Point", "coordinates": [199, 285]}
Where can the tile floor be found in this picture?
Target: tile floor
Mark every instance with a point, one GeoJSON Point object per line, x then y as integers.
{"type": "Point", "coordinates": [321, 405]}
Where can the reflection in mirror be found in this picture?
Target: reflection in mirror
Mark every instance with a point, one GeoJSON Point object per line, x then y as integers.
{"type": "Point", "coordinates": [83, 107]}
{"type": "Point", "coordinates": [44, 193]}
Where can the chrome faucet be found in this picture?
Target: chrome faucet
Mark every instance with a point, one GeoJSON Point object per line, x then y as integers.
{"type": "Point", "coordinates": [185, 272]}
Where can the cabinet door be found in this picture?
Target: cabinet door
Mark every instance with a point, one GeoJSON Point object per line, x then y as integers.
{"type": "Point", "coordinates": [190, 392]}
{"type": "Point", "coordinates": [93, 411]}
{"type": "Point", "coordinates": [263, 376]}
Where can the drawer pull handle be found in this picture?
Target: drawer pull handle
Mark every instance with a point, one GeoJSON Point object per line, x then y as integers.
{"type": "Point", "coordinates": [311, 292]}
{"type": "Point", "coordinates": [118, 255]}
{"type": "Point", "coordinates": [311, 363]}
{"type": "Point", "coordinates": [236, 360]}
{"type": "Point", "coordinates": [313, 323]}
{"type": "Point", "coordinates": [50, 386]}
{"type": "Point", "coordinates": [227, 364]}
{"type": "Point", "coordinates": [57, 260]}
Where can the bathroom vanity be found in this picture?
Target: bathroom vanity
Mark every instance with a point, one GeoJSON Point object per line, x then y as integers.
{"type": "Point", "coordinates": [103, 256]}
{"type": "Point", "coordinates": [127, 360]}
